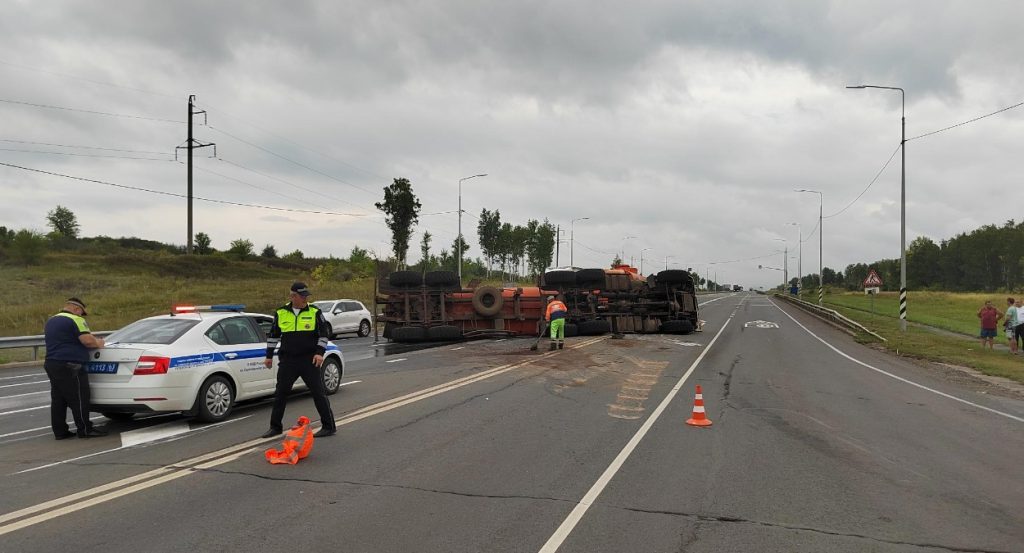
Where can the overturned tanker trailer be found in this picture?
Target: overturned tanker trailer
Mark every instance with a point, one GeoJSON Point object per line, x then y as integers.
{"type": "Point", "coordinates": [433, 306]}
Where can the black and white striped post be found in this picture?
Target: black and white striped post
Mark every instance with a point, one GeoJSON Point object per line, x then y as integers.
{"type": "Point", "coordinates": [903, 200]}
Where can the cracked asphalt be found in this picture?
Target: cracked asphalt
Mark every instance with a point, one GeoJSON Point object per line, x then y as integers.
{"type": "Point", "coordinates": [809, 451]}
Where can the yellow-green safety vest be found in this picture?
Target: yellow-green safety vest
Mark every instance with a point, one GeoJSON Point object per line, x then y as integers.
{"type": "Point", "coordinates": [305, 321]}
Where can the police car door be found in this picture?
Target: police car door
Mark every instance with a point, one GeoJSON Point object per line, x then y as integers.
{"type": "Point", "coordinates": [239, 341]}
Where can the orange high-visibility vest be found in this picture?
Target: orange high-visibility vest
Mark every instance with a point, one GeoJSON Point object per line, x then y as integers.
{"type": "Point", "coordinates": [298, 442]}
{"type": "Point", "coordinates": [555, 305]}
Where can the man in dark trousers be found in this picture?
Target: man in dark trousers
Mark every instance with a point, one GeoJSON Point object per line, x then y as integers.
{"type": "Point", "coordinates": [302, 332]}
{"type": "Point", "coordinates": [68, 341]}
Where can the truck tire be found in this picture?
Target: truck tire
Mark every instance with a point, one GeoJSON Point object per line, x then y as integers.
{"type": "Point", "coordinates": [556, 278]}
{"type": "Point", "coordinates": [405, 279]}
{"type": "Point", "coordinates": [571, 330]}
{"type": "Point", "coordinates": [487, 301]}
{"type": "Point", "coordinates": [409, 334]}
{"type": "Point", "coordinates": [673, 276]}
{"type": "Point", "coordinates": [594, 328]}
{"type": "Point", "coordinates": [594, 278]}
{"type": "Point", "coordinates": [443, 333]}
{"type": "Point", "coordinates": [677, 327]}
{"type": "Point", "coordinates": [441, 279]}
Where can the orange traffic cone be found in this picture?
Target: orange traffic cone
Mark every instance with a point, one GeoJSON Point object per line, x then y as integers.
{"type": "Point", "coordinates": [698, 418]}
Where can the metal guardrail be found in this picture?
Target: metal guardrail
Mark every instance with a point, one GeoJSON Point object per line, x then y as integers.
{"type": "Point", "coordinates": [35, 342]}
{"type": "Point", "coordinates": [830, 314]}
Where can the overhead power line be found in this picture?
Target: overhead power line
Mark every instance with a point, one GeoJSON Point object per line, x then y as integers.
{"type": "Point", "coordinates": [83, 155]}
{"type": "Point", "coordinates": [176, 195]}
{"type": "Point", "coordinates": [83, 79]}
{"type": "Point", "coordinates": [880, 171]}
{"type": "Point", "coordinates": [962, 123]}
{"type": "Point", "coordinates": [93, 112]}
{"type": "Point", "coordinates": [84, 147]}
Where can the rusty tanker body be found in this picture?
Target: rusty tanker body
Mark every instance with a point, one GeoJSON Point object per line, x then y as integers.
{"type": "Point", "coordinates": [420, 307]}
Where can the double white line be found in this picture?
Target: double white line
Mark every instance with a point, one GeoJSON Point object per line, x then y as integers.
{"type": "Point", "coordinates": [61, 506]}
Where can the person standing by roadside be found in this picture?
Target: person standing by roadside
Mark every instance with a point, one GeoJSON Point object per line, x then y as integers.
{"type": "Point", "coordinates": [68, 341]}
{"type": "Point", "coordinates": [989, 316]}
{"type": "Point", "coordinates": [1010, 325]}
{"type": "Point", "coordinates": [555, 316]}
{"type": "Point", "coordinates": [1018, 334]}
{"type": "Point", "coordinates": [302, 331]}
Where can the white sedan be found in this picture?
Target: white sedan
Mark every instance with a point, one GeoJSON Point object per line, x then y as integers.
{"type": "Point", "coordinates": [346, 316]}
{"type": "Point", "coordinates": [198, 361]}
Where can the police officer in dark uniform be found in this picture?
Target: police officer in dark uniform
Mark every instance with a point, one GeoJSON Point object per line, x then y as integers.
{"type": "Point", "coordinates": [302, 331]}
{"type": "Point", "coordinates": [68, 341]}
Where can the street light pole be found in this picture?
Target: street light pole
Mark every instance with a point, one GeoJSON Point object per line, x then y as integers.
{"type": "Point", "coordinates": [903, 200]}
{"type": "Point", "coordinates": [642, 260]}
{"type": "Point", "coordinates": [622, 252]}
{"type": "Point", "coordinates": [572, 237]}
{"type": "Point", "coordinates": [666, 261]}
{"type": "Point", "coordinates": [785, 263]}
{"type": "Point", "coordinates": [459, 240]}
{"type": "Point", "coordinates": [821, 236]}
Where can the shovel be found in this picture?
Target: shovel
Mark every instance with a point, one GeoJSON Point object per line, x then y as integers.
{"type": "Point", "coordinates": [536, 342]}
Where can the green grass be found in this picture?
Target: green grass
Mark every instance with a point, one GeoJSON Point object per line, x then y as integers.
{"type": "Point", "coordinates": [130, 285]}
{"type": "Point", "coordinates": [954, 312]}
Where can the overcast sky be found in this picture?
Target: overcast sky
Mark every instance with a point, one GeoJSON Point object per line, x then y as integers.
{"type": "Point", "coordinates": [685, 124]}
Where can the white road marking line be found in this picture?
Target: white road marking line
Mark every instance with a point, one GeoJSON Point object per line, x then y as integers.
{"type": "Point", "coordinates": [19, 376]}
{"type": "Point", "coordinates": [28, 394]}
{"type": "Point", "coordinates": [101, 494]}
{"type": "Point", "coordinates": [140, 437]}
{"type": "Point", "coordinates": [397, 360]}
{"type": "Point", "coordinates": [348, 383]}
{"type": "Point", "coordinates": [900, 378]}
{"type": "Point", "coordinates": [458, 348]}
{"type": "Point", "coordinates": [40, 428]}
{"type": "Point", "coordinates": [25, 383]}
{"type": "Point", "coordinates": [23, 410]}
{"type": "Point", "coordinates": [570, 522]}
{"type": "Point", "coordinates": [499, 340]}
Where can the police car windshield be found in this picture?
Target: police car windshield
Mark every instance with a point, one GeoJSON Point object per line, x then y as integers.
{"type": "Point", "coordinates": [152, 331]}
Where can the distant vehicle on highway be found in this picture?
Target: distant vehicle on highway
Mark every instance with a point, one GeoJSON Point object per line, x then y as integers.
{"type": "Point", "coordinates": [346, 316]}
{"type": "Point", "coordinates": [200, 360]}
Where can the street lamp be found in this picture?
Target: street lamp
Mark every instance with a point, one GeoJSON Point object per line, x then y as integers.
{"type": "Point", "coordinates": [571, 237]}
{"type": "Point", "coordinates": [666, 261]}
{"type": "Point", "coordinates": [622, 251]}
{"type": "Point", "coordinates": [821, 232]}
{"type": "Point", "coordinates": [800, 259]}
{"type": "Point", "coordinates": [903, 200]}
{"type": "Point", "coordinates": [642, 260]}
{"type": "Point", "coordinates": [460, 222]}
{"type": "Point", "coordinates": [785, 263]}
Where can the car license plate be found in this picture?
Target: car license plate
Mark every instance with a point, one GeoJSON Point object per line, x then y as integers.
{"type": "Point", "coordinates": [103, 368]}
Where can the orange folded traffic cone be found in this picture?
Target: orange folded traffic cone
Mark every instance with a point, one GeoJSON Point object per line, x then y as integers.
{"type": "Point", "coordinates": [698, 418]}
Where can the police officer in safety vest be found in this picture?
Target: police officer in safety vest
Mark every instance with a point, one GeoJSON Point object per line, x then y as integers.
{"type": "Point", "coordinates": [68, 341]}
{"type": "Point", "coordinates": [302, 332]}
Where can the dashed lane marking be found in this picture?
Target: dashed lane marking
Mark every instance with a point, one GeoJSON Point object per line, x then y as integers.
{"type": "Point", "coordinates": [25, 383]}
{"type": "Point", "coordinates": [397, 360]}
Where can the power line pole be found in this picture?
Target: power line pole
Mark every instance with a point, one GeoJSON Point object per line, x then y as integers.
{"type": "Point", "coordinates": [191, 144]}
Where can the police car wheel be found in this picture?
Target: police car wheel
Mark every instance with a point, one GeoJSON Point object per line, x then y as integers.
{"type": "Point", "coordinates": [330, 371]}
{"type": "Point", "coordinates": [215, 400]}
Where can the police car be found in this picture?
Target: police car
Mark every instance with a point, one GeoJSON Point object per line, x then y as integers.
{"type": "Point", "coordinates": [200, 360]}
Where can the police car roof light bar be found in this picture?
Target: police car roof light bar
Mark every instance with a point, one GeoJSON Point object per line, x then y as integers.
{"type": "Point", "coordinates": [178, 309]}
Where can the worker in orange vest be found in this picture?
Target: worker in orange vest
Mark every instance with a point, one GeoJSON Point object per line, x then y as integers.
{"type": "Point", "coordinates": [555, 316]}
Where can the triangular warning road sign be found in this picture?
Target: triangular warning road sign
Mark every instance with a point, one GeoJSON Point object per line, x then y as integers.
{"type": "Point", "coordinates": [872, 280]}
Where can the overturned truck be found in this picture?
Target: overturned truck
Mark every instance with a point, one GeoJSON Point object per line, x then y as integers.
{"type": "Point", "coordinates": [435, 307]}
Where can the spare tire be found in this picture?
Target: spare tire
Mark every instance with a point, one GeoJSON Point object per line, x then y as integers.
{"type": "Point", "coordinates": [487, 301]}
{"type": "Point", "coordinates": [405, 279]}
{"type": "Point", "coordinates": [444, 332]}
{"type": "Point", "coordinates": [591, 277]}
{"type": "Point", "coordinates": [677, 327]}
{"type": "Point", "coordinates": [594, 327]}
{"type": "Point", "coordinates": [673, 276]}
{"type": "Point", "coordinates": [441, 279]}
{"type": "Point", "coordinates": [409, 334]}
{"type": "Point", "coordinates": [554, 278]}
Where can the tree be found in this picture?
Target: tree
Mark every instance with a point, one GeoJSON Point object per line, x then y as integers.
{"type": "Point", "coordinates": [63, 222]}
{"type": "Point", "coordinates": [269, 251]}
{"type": "Point", "coordinates": [27, 247]}
{"type": "Point", "coordinates": [242, 248]}
{"type": "Point", "coordinates": [401, 213]}
{"type": "Point", "coordinates": [202, 244]}
{"type": "Point", "coordinates": [488, 230]}
{"type": "Point", "coordinates": [294, 256]}
{"type": "Point", "coordinates": [425, 250]}
{"type": "Point", "coordinates": [616, 261]}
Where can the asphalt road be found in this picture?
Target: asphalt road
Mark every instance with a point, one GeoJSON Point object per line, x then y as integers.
{"type": "Point", "coordinates": [818, 444]}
